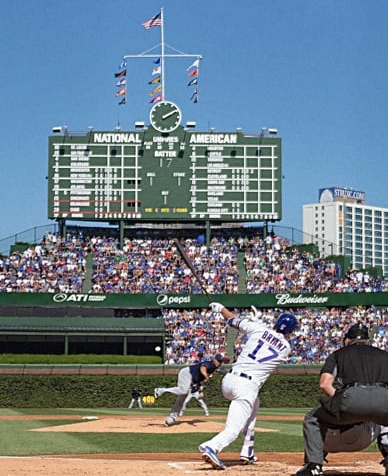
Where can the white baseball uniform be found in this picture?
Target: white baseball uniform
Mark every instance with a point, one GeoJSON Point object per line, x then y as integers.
{"type": "Point", "coordinates": [264, 350]}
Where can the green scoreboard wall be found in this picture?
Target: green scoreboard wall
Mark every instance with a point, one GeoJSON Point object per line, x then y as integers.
{"type": "Point", "coordinates": [181, 176]}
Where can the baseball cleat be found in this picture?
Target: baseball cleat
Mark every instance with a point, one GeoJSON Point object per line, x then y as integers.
{"type": "Point", "coordinates": [156, 393]}
{"type": "Point", "coordinates": [248, 459]}
{"type": "Point", "coordinates": [310, 469]}
{"type": "Point", "coordinates": [210, 457]}
{"type": "Point", "coordinates": [169, 421]}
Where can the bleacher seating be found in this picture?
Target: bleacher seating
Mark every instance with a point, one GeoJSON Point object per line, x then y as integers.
{"type": "Point", "coordinates": [146, 265]}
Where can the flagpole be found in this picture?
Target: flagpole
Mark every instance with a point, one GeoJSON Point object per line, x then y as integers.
{"type": "Point", "coordinates": [162, 56]}
{"type": "Point", "coordinates": [158, 20]}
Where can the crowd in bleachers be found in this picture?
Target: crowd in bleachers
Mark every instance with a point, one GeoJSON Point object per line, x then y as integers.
{"type": "Point", "coordinates": [55, 265]}
{"type": "Point", "coordinates": [192, 333]}
{"type": "Point", "coordinates": [320, 332]}
{"type": "Point", "coordinates": [152, 265]}
{"type": "Point", "coordinates": [273, 265]}
{"type": "Point", "coordinates": [146, 266]}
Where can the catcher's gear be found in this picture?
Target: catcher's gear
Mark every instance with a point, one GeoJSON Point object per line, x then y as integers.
{"type": "Point", "coordinates": [216, 306]}
{"type": "Point", "coordinates": [286, 323]}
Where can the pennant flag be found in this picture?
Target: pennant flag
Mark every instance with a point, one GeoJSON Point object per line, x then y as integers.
{"type": "Point", "coordinates": [195, 93]}
{"type": "Point", "coordinates": [122, 82]}
{"type": "Point", "coordinates": [123, 101]}
{"type": "Point", "coordinates": [121, 92]}
{"type": "Point", "coordinates": [154, 21]}
{"type": "Point", "coordinates": [193, 81]}
{"type": "Point", "coordinates": [157, 61]}
{"type": "Point", "coordinates": [156, 70]}
{"type": "Point", "coordinates": [193, 73]}
{"type": "Point", "coordinates": [156, 98]}
{"type": "Point", "coordinates": [123, 64]}
{"type": "Point", "coordinates": [121, 74]}
{"type": "Point", "coordinates": [195, 64]}
{"type": "Point", "coordinates": [155, 80]}
{"type": "Point", "coordinates": [156, 90]}
{"type": "Point", "coordinates": [195, 99]}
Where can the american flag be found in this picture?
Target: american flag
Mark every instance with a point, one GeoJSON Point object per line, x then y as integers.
{"type": "Point", "coordinates": [154, 21]}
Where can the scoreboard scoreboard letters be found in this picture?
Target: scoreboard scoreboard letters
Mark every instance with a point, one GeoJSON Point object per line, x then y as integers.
{"type": "Point", "coordinates": [180, 175]}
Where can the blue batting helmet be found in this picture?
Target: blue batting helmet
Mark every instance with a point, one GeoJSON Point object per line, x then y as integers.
{"type": "Point", "coordinates": [286, 323]}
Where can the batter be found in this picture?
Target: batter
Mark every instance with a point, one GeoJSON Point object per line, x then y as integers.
{"type": "Point", "coordinates": [264, 350]}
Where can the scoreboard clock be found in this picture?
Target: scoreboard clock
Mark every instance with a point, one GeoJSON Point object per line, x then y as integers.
{"type": "Point", "coordinates": [165, 116]}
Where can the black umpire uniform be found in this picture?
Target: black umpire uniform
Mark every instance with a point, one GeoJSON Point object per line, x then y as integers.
{"type": "Point", "coordinates": [362, 372]}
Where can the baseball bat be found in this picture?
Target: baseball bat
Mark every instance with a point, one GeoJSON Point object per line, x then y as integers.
{"type": "Point", "coordinates": [191, 267]}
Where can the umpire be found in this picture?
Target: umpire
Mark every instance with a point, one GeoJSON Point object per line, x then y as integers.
{"type": "Point", "coordinates": [361, 372]}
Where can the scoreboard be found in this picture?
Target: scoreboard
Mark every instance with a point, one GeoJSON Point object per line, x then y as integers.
{"type": "Point", "coordinates": [151, 175]}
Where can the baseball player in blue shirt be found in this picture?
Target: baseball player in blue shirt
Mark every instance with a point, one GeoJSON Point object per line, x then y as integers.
{"type": "Point", "coordinates": [189, 379]}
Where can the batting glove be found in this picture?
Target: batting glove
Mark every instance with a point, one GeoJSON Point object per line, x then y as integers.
{"type": "Point", "coordinates": [216, 306]}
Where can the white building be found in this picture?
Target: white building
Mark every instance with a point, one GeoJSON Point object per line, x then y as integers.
{"type": "Point", "coordinates": [341, 224]}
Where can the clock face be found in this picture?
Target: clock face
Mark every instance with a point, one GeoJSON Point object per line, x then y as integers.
{"type": "Point", "coordinates": [165, 116]}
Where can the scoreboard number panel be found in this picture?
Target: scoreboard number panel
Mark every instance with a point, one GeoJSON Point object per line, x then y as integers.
{"type": "Point", "coordinates": [164, 173]}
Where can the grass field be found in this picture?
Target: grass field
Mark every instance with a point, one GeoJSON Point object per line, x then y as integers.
{"type": "Point", "coordinates": [19, 441]}
{"type": "Point", "coordinates": [61, 442]}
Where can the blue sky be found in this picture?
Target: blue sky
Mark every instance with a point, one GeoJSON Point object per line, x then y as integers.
{"type": "Point", "coordinates": [314, 69]}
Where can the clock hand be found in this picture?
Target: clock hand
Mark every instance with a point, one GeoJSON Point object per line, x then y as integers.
{"type": "Point", "coordinates": [168, 114]}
